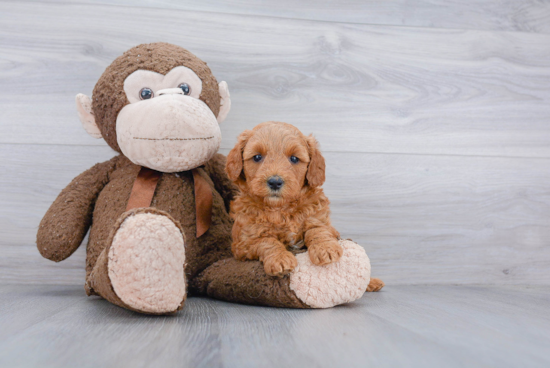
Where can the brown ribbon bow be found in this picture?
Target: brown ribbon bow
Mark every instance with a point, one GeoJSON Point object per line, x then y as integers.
{"type": "Point", "coordinates": [144, 189]}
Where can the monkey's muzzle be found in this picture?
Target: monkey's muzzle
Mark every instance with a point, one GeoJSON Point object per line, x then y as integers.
{"type": "Point", "coordinates": [171, 132]}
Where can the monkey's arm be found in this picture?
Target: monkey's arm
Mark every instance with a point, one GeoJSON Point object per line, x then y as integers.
{"type": "Point", "coordinates": [67, 220]}
{"type": "Point", "coordinates": [247, 283]}
{"type": "Point", "coordinates": [216, 170]}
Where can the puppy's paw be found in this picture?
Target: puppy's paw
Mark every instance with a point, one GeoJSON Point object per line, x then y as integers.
{"type": "Point", "coordinates": [375, 284]}
{"type": "Point", "coordinates": [280, 264]}
{"type": "Point", "coordinates": [240, 251]}
{"type": "Point", "coordinates": [324, 253]}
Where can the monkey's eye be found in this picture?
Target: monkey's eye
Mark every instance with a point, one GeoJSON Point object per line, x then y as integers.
{"type": "Point", "coordinates": [185, 88]}
{"type": "Point", "coordinates": [146, 93]}
{"type": "Point", "coordinates": [294, 159]}
{"type": "Point", "coordinates": [257, 158]}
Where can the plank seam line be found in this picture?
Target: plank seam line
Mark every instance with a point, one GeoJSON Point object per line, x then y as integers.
{"type": "Point", "coordinates": [324, 151]}
{"type": "Point", "coordinates": [286, 18]}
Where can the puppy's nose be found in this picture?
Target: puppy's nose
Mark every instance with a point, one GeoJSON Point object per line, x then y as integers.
{"type": "Point", "coordinates": [275, 182]}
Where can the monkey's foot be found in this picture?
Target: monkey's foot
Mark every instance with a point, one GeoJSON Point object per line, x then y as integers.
{"type": "Point", "coordinates": [144, 263]}
{"type": "Point", "coordinates": [336, 283]}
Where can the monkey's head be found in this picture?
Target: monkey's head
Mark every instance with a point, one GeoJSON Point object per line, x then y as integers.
{"type": "Point", "coordinates": [160, 106]}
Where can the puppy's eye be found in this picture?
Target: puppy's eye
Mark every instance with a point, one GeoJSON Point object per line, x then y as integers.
{"type": "Point", "coordinates": [257, 158]}
{"type": "Point", "coordinates": [146, 93]}
{"type": "Point", "coordinates": [294, 159]}
{"type": "Point", "coordinates": [185, 88]}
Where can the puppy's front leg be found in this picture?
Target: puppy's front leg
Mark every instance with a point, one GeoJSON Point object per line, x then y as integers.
{"type": "Point", "coordinates": [276, 259]}
{"type": "Point", "coordinates": [249, 244]}
{"type": "Point", "coordinates": [322, 243]}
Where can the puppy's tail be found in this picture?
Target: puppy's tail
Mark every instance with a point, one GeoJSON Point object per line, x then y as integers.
{"type": "Point", "coordinates": [375, 284]}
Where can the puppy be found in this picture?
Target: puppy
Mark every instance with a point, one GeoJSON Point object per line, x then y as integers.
{"type": "Point", "coordinates": [281, 206]}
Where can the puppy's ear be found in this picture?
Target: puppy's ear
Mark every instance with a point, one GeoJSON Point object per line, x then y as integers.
{"type": "Point", "coordinates": [234, 165]}
{"type": "Point", "coordinates": [316, 169]}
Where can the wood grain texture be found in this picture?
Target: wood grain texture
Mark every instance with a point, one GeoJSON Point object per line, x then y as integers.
{"type": "Point", "coordinates": [359, 88]}
{"type": "Point", "coordinates": [422, 219]}
{"type": "Point", "coordinates": [433, 116]}
{"type": "Point", "coordinates": [506, 15]}
{"type": "Point", "coordinates": [406, 326]}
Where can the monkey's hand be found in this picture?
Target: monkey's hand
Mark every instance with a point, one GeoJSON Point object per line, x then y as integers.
{"type": "Point", "coordinates": [67, 220]}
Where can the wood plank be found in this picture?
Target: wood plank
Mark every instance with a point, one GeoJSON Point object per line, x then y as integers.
{"type": "Point", "coordinates": [497, 326]}
{"type": "Point", "coordinates": [412, 326]}
{"type": "Point", "coordinates": [507, 15]}
{"type": "Point", "coordinates": [467, 220]}
{"type": "Point", "coordinates": [357, 87]}
{"type": "Point", "coordinates": [22, 306]}
{"type": "Point", "coordinates": [422, 219]}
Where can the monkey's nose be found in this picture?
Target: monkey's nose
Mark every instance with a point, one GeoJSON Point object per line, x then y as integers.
{"type": "Point", "coordinates": [170, 91]}
{"type": "Point", "coordinates": [275, 182]}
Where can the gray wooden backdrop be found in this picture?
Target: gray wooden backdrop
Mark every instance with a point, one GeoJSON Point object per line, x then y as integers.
{"type": "Point", "coordinates": [433, 116]}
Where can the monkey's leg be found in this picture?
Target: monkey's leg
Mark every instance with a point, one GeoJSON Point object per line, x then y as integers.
{"type": "Point", "coordinates": [142, 267]}
{"type": "Point", "coordinates": [308, 286]}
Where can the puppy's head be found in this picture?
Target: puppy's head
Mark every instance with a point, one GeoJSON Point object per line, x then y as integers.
{"type": "Point", "coordinates": [275, 161]}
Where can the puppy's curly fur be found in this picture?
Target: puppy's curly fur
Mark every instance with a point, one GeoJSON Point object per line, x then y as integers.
{"type": "Point", "coordinates": [291, 212]}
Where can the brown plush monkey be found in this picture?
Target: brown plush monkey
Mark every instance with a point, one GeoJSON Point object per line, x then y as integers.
{"type": "Point", "coordinates": [159, 210]}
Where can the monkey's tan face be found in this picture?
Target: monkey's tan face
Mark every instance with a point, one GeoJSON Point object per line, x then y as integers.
{"type": "Point", "coordinates": [166, 127]}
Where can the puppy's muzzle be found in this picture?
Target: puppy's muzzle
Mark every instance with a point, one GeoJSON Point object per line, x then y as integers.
{"type": "Point", "coordinates": [275, 182]}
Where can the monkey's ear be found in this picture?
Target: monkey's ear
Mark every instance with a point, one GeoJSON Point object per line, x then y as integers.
{"type": "Point", "coordinates": [316, 169]}
{"type": "Point", "coordinates": [225, 102]}
{"type": "Point", "coordinates": [86, 115]}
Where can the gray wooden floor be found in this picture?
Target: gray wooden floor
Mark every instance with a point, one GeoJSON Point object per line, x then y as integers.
{"type": "Point", "coordinates": [403, 326]}
{"type": "Point", "coordinates": [434, 119]}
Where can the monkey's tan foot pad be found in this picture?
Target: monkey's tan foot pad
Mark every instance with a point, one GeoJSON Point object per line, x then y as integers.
{"type": "Point", "coordinates": [146, 262]}
{"type": "Point", "coordinates": [333, 284]}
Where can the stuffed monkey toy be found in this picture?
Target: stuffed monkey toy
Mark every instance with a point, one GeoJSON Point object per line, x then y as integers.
{"type": "Point", "coordinates": [158, 211]}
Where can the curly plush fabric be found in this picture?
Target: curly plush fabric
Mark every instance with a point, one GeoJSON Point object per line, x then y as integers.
{"type": "Point", "coordinates": [247, 283]}
{"type": "Point", "coordinates": [146, 262]}
{"type": "Point", "coordinates": [337, 283]}
{"type": "Point", "coordinates": [64, 226]}
{"type": "Point", "coordinates": [174, 195]}
{"type": "Point", "coordinates": [109, 96]}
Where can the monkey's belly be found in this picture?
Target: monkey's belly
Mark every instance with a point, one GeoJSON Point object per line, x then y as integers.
{"type": "Point", "coordinates": [175, 195]}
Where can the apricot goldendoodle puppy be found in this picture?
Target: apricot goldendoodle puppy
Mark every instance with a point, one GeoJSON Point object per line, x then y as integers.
{"type": "Point", "coordinates": [281, 206]}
